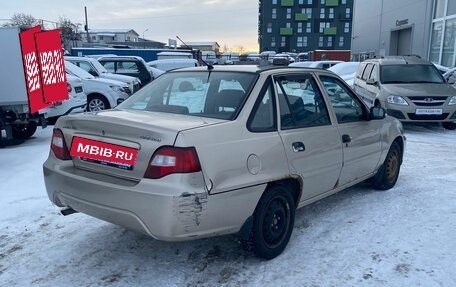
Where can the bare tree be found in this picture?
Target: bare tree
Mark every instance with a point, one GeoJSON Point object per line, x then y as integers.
{"type": "Point", "coordinates": [69, 32]}
{"type": "Point", "coordinates": [241, 49]}
{"type": "Point", "coordinates": [22, 20]}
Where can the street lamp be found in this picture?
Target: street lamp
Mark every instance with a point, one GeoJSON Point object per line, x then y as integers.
{"type": "Point", "coordinates": [144, 39]}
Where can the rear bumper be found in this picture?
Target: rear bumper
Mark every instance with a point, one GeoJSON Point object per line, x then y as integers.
{"type": "Point", "coordinates": [166, 209]}
{"type": "Point", "coordinates": [70, 106]}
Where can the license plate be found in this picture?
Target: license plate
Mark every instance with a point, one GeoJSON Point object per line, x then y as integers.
{"type": "Point", "coordinates": [104, 153]}
{"type": "Point", "coordinates": [428, 111]}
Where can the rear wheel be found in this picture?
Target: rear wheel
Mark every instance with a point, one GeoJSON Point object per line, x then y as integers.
{"type": "Point", "coordinates": [449, 125]}
{"type": "Point", "coordinates": [24, 131]}
{"type": "Point", "coordinates": [388, 173]}
{"type": "Point", "coordinates": [97, 103]}
{"type": "Point", "coordinates": [273, 222]}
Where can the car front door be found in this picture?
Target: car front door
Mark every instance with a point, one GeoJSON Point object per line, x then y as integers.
{"type": "Point", "coordinates": [360, 137]}
{"type": "Point", "coordinates": [312, 144]}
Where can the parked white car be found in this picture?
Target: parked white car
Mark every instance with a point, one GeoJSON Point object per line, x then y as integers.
{"type": "Point", "coordinates": [93, 67]}
{"type": "Point", "coordinates": [76, 102]}
{"type": "Point", "coordinates": [174, 55]}
{"type": "Point", "coordinates": [171, 64]}
{"type": "Point", "coordinates": [346, 70]}
{"type": "Point", "coordinates": [228, 58]}
{"type": "Point", "coordinates": [316, 64]}
{"type": "Point", "coordinates": [101, 93]}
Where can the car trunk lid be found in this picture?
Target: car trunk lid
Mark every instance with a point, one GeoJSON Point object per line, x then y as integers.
{"type": "Point", "coordinates": [137, 132]}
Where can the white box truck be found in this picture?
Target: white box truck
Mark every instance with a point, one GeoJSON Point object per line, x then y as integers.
{"type": "Point", "coordinates": [16, 121]}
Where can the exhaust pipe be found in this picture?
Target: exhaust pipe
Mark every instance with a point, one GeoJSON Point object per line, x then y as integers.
{"type": "Point", "coordinates": [68, 211]}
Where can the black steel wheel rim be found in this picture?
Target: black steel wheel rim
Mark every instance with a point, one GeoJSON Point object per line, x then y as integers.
{"type": "Point", "coordinates": [276, 222]}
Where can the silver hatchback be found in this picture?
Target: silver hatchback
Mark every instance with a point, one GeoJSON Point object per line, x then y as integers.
{"type": "Point", "coordinates": [209, 151]}
{"type": "Point", "coordinates": [409, 88]}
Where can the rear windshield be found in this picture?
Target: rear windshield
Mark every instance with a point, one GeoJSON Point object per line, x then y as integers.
{"type": "Point", "coordinates": [406, 74]}
{"type": "Point", "coordinates": [209, 94]}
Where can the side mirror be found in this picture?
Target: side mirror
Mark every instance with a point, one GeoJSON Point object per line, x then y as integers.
{"type": "Point", "coordinates": [451, 80]}
{"type": "Point", "coordinates": [371, 82]}
{"type": "Point", "coordinates": [377, 113]}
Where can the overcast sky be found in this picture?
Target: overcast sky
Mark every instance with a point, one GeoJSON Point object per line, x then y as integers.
{"type": "Point", "coordinates": [233, 23]}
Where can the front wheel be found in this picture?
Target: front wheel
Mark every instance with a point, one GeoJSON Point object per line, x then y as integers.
{"type": "Point", "coordinates": [273, 222]}
{"type": "Point", "coordinates": [388, 173]}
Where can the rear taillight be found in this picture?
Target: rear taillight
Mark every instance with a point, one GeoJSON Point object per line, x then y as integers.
{"type": "Point", "coordinates": [169, 160]}
{"type": "Point", "coordinates": [58, 145]}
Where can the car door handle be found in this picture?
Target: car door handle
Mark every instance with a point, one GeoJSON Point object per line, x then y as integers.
{"type": "Point", "coordinates": [346, 138]}
{"type": "Point", "coordinates": [298, 146]}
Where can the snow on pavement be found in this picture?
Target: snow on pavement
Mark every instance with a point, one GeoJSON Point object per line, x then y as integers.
{"type": "Point", "coordinates": [359, 237]}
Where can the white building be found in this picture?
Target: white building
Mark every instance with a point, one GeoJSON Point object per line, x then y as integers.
{"type": "Point", "coordinates": [106, 36]}
{"type": "Point", "coordinates": [389, 27]}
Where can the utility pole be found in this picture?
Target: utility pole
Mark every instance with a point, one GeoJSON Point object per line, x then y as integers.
{"type": "Point", "coordinates": [86, 26]}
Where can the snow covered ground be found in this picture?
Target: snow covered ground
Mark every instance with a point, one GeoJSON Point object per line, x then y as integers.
{"type": "Point", "coordinates": [359, 237]}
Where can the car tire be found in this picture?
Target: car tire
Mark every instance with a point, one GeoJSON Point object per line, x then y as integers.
{"type": "Point", "coordinates": [97, 103]}
{"type": "Point", "coordinates": [388, 173]}
{"type": "Point", "coordinates": [449, 125]}
{"type": "Point", "coordinates": [24, 131]}
{"type": "Point", "coordinates": [273, 222]}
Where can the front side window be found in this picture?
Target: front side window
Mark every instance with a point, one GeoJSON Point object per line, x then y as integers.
{"type": "Point", "coordinates": [346, 106]}
{"type": "Point", "coordinates": [217, 95]}
{"type": "Point", "coordinates": [301, 103]}
{"type": "Point", "coordinates": [88, 68]}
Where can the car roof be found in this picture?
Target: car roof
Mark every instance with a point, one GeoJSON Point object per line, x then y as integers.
{"type": "Point", "coordinates": [89, 59]}
{"type": "Point", "coordinates": [254, 69]}
{"type": "Point", "coordinates": [115, 58]}
{"type": "Point", "coordinates": [397, 60]}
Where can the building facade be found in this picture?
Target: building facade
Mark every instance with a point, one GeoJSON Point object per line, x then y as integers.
{"type": "Point", "coordinates": [305, 25]}
{"type": "Point", "coordinates": [425, 28]}
{"type": "Point", "coordinates": [107, 36]}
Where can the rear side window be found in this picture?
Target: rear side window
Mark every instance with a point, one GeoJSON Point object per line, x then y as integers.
{"type": "Point", "coordinates": [360, 70]}
{"type": "Point", "coordinates": [367, 72]}
{"type": "Point", "coordinates": [301, 103]}
{"type": "Point", "coordinates": [127, 67]}
{"type": "Point", "coordinates": [263, 117]}
{"type": "Point", "coordinates": [109, 66]}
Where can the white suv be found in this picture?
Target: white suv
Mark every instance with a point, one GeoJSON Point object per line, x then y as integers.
{"type": "Point", "coordinates": [102, 94]}
{"type": "Point", "coordinates": [93, 67]}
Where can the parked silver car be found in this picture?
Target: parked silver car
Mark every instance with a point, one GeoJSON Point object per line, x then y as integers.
{"type": "Point", "coordinates": [409, 88]}
{"type": "Point", "coordinates": [208, 151]}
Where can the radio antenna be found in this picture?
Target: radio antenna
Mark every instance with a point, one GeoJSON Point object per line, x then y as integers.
{"type": "Point", "coordinates": [209, 66]}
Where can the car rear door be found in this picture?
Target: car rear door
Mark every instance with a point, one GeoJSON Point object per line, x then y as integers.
{"type": "Point", "coordinates": [311, 142]}
{"type": "Point", "coordinates": [360, 137]}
